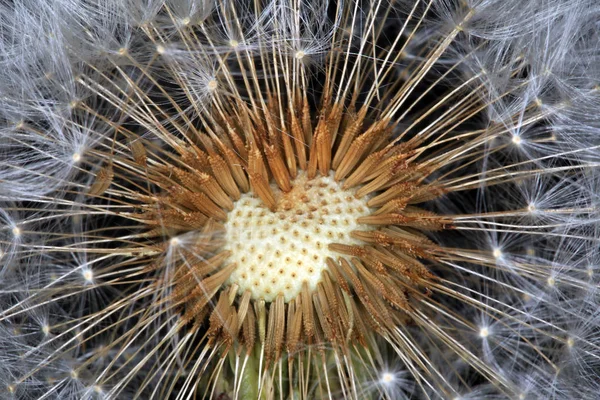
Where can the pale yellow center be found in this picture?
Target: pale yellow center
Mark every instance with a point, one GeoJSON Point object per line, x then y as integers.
{"type": "Point", "coordinates": [276, 252]}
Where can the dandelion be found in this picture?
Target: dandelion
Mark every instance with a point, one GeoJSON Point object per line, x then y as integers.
{"type": "Point", "coordinates": [272, 199]}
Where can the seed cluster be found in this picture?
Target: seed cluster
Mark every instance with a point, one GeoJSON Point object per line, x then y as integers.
{"type": "Point", "coordinates": [276, 252]}
{"type": "Point", "coordinates": [291, 231]}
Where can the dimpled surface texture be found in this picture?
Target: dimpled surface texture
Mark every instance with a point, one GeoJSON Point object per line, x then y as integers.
{"type": "Point", "coordinates": [276, 251]}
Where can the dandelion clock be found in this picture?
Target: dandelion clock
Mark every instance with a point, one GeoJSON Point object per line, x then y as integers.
{"type": "Point", "coordinates": [299, 199]}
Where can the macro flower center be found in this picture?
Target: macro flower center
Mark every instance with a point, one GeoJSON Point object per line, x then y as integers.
{"type": "Point", "coordinates": [276, 252]}
{"type": "Point", "coordinates": [293, 230]}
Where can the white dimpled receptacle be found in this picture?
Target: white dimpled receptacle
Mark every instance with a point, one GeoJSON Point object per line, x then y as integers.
{"type": "Point", "coordinates": [277, 251]}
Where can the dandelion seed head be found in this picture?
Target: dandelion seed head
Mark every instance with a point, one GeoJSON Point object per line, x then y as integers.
{"type": "Point", "coordinates": [366, 186]}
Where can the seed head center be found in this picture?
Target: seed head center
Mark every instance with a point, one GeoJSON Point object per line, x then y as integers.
{"type": "Point", "coordinates": [277, 251]}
